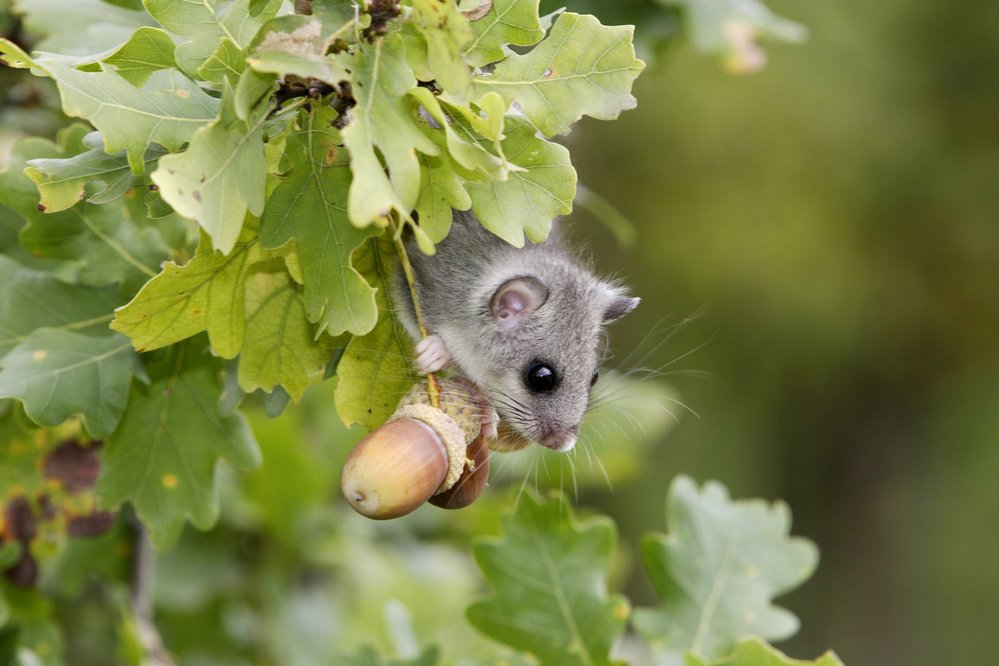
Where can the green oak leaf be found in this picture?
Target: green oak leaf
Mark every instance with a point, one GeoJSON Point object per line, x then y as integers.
{"type": "Point", "coordinates": [382, 123]}
{"type": "Point", "coordinates": [205, 294]}
{"type": "Point", "coordinates": [445, 34]}
{"type": "Point", "coordinates": [374, 372]}
{"type": "Point", "coordinates": [97, 245]}
{"type": "Point", "coordinates": [226, 63]}
{"type": "Point", "coordinates": [549, 580]}
{"type": "Point", "coordinates": [280, 348]}
{"type": "Point", "coordinates": [309, 205]}
{"type": "Point", "coordinates": [206, 23]}
{"type": "Point", "coordinates": [718, 569]}
{"type": "Point", "coordinates": [61, 181]}
{"type": "Point", "coordinates": [581, 68]}
{"type": "Point", "coordinates": [528, 200]}
{"type": "Point", "coordinates": [32, 299]}
{"type": "Point", "coordinates": [220, 177]}
{"type": "Point", "coordinates": [148, 50]}
{"type": "Point", "coordinates": [81, 27]}
{"type": "Point", "coordinates": [467, 152]}
{"type": "Point", "coordinates": [757, 653]}
{"type": "Point", "coordinates": [57, 373]}
{"type": "Point", "coordinates": [166, 110]}
{"type": "Point", "coordinates": [442, 192]}
{"type": "Point", "coordinates": [295, 45]}
{"type": "Point", "coordinates": [163, 455]}
{"type": "Point", "coordinates": [508, 22]}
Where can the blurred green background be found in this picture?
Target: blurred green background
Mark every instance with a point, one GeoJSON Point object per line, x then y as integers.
{"type": "Point", "coordinates": [837, 218]}
{"type": "Point", "coordinates": [831, 222]}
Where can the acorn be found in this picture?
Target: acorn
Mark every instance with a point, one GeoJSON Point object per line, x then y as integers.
{"type": "Point", "coordinates": [421, 451]}
{"type": "Point", "coordinates": [471, 483]}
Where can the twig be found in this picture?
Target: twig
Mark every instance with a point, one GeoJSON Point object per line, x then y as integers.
{"type": "Point", "coordinates": [143, 582]}
{"type": "Point", "coordinates": [433, 387]}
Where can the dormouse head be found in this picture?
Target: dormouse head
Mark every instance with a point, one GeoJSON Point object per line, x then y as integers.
{"type": "Point", "coordinates": [546, 327]}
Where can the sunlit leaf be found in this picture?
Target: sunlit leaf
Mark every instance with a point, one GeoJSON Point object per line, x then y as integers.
{"type": "Point", "coordinates": [57, 373]}
{"type": "Point", "coordinates": [163, 455]}
{"type": "Point", "coordinates": [757, 653]}
{"type": "Point", "coordinates": [581, 68]}
{"type": "Point", "coordinates": [205, 294]}
{"type": "Point", "coordinates": [310, 205]}
{"type": "Point", "coordinates": [382, 123]}
{"type": "Point", "coordinates": [549, 580]}
{"type": "Point", "coordinates": [528, 200]}
{"type": "Point", "coordinates": [718, 569]}
{"type": "Point", "coordinates": [508, 22]}
{"type": "Point", "coordinates": [375, 370]}
{"type": "Point", "coordinates": [220, 177]}
{"type": "Point", "coordinates": [280, 348]}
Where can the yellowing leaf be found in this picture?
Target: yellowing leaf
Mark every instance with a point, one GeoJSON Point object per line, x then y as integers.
{"type": "Point", "coordinates": [280, 348]}
{"type": "Point", "coordinates": [206, 294]}
{"type": "Point", "coordinates": [581, 68]}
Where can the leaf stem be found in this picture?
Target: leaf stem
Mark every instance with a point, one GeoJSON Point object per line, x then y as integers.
{"type": "Point", "coordinates": [433, 387]}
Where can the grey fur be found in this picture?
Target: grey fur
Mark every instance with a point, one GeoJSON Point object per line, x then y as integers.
{"type": "Point", "coordinates": [455, 287]}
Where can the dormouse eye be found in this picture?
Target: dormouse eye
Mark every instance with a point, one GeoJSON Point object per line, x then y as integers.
{"type": "Point", "coordinates": [593, 379]}
{"type": "Point", "coordinates": [540, 377]}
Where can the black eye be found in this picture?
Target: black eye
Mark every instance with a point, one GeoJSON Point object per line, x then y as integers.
{"type": "Point", "coordinates": [593, 380]}
{"type": "Point", "coordinates": [540, 377]}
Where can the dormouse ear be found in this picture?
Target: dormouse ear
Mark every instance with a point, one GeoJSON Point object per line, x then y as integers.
{"type": "Point", "coordinates": [619, 306]}
{"type": "Point", "coordinates": [516, 299]}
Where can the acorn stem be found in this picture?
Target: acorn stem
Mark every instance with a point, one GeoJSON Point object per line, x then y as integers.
{"type": "Point", "coordinates": [433, 387]}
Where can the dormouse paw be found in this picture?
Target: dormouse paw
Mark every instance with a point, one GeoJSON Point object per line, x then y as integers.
{"type": "Point", "coordinates": [490, 422]}
{"type": "Point", "coordinates": [431, 355]}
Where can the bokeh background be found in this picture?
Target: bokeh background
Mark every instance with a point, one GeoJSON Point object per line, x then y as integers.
{"type": "Point", "coordinates": [836, 217]}
{"type": "Point", "coordinates": [818, 260]}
